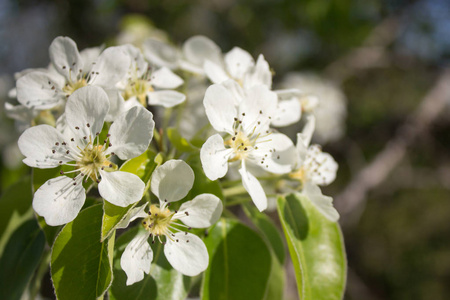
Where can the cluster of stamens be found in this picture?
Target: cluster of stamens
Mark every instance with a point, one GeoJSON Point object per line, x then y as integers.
{"type": "Point", "coordinates": [160, 222]}
{"type": "Point", "coordinates": [312, 166]}
{"type": "Point", "coordinates": [138, 86]}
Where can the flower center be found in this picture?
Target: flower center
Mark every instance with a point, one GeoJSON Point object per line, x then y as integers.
{"type": "Point", "coordinates": [138, 88]}
{"type": "Point", "coordinates": [92, 160]}
{"type": "Point", "coordinates": [299, 175]}
{"type": "Point", "coordinates": [158, 221]}
{"type": "Point", "coordinates": [241, 145]}
{"type": "Point", "coordinates": [73, 86]}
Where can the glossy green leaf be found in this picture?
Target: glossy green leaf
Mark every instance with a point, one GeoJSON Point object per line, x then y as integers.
{"type": "Point", "coordinates": [15, 208]}
{"type": "Point", "coordinates": [239, 263]}
{"type": "Point", "coordinates": [179, 142]}
{"type": "Point", "coordinates": [275, 287]}
{"type": "Point", "coordinates": [20, 259]}
{"type": "Point", "coordinates": [317, 249]}
{"type": "Point", "coordinates": [162, 283]}
{"type": "Point", "coordinates": [268, 230]}
{"type": "Point", "coordinates": [143, 167]}
{"type": "Point", "coordinates": [80, 264]}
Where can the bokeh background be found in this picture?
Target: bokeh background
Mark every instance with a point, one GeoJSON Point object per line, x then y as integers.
{"type": "Point", "coordinates": [387, 59]}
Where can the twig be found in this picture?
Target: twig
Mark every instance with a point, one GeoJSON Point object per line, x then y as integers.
{"type": "Point", "coordinates": [354, 195]}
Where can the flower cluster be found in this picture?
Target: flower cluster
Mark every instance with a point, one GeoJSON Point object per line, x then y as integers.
{"type": "Point", "coordinates": [89, 111]}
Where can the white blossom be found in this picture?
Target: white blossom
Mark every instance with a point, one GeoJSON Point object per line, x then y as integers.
{"type": "Point", "coordinates": [142, 85]}
{"type": "Point", "coordinates": [60, 199]}
{"type": "Point", "coordinates": [322, 98]}
{"type": "Point", "coordinates": [185, 251]}
{"type": "Point", "coordinates": [248, 139]}
{"type": "Point", "coordinates": [315, 168]}
{"type": "Point", "coordinates": [48, 89]}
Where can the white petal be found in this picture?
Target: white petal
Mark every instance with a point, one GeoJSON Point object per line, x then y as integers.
{"type": "Point", "coordinates": [161, 54]}
{"type": "Point", "coordinates": [116, 104]}
{"type": "Point", "coordinates": [259, 75]}
{"type": "Point", "coordinates": [65, 57]}
{"type": "Point", "coordinates": [238, 62]}
{"type": "Point", "coordinates": [137, 258]}
{"type": "Point", "coordinates": [88, 56]}
{"type": "Point", "coordinates": [254, 188]}
{"type": "Point", "coordinates": [202, 211]}
{"type": "Point", "coordinates": [131, 102]}
{"type": "Point", "coordinates": [138, 65]}
{"type": "Point", "coordinates": [307, 132]}
{"type": "Point", "coordinates": [59, 201]}
{"type": "Point", "coordinates": [288, 112]}
{"type": "Point", "coordinates": [172, 180]}
{"type": "Point", "coordinates": [165, 79]}
{"type": "Point", "coordinates": [39, 90]}
{"type": "Point", "coordinates": [220, 108]}
{"type": "Point", "coordinates": [321, 166]}
{"type": "Point", "coordinates": [189, 255]}
{"type": "Point", "coordinates": [20, 112]}
{"type": "Point", "coordinates": [37, 144]}
{"type": "Point", "coordinates": [214, 157]}
{"type": "Point", "coordinates": [165, 98]}
{"type": "Point", "coordinates": [133, 214]}
{"type": "Point", "coordinates": [131, 133]}
{"type": "Point", "coordinates": [121, 188]}
{"type": "Point", "coordinates": [190, 67]}
{"type": "Point", "coordinates": [277, 152]}
{"type": "Point", "coordinates": [110, 67]}
{"type": "Point", "coordinates": [215, 72]}
{"type": "Point", "coordinates": [198, 48]}
{"type": "Point", "coordinates": [236, 90]}
{"type": "Point", "coordinates": [323, 203]}
{"type": "Point", "coordinates": [260, 106]}
{"type": "Point", "coordinates": [87, 105]}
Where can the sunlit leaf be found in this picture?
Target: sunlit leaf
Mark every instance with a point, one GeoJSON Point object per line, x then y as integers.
{"type": "Point", "coordinates": [80, 264]}
{"type": "Point", "coordinates": [316, 247]}
{"type": "Point", "coordinates": [179, 142]}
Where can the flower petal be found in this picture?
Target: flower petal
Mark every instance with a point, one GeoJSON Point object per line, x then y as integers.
{"type": "Point", "coordinates": [202, 211]}
{"type": "Point", "coordinates": [189, 255]}
{"type": "Point", "coordinates": [165, 98]}
{"type": "Point", "coordinates": [321, 166]}
{"type": "Point", "coordinates": [288, 112]}
{"type": "Point", "coordinates": [323, 203]}
{"type": "Point", "coordinates": [161, 54]}
{"type": "Point", "coordinates": [133, 214]}
{"type": "Point", "coordinates": [39, 90]}
{"type": "Point", "coordinates": [65, 57]}
{"type": "Point", "coordinates": [59, 201]}
{"type": "Point", "coordinates": [131, 133]}
{"type": "Point", "coordinates": [215, 72]}
{"type": "Point", "coordinates": [88, 56]}
{"type": "Point", "coordinates": [138, 65]}
{"type": "Point", "coordinates": [172, 180]}
{"type": "Point", "coordinates": [214, 157]}
{"type": "Point", "coordinates": [121, 188]}
{"type": "Point", "coordinates": [238, 62]}
{"type": "Point", "coordinates": [259, 106]}
{"type": "Point", "coordinates": [259, 75]}
{"type": "Point", "coordinates": [87, 105]}
{"type": "Point", "coordinates": [220, 108]}
{"type": "Point", "coordinates": [305, 136]}
{"type": "Point", "coordinates": [137, 258]}
{"type": "Point", "coordinates": [37, 145]}
{"type": "Point", "coordinates": [198, 48]}
{"type": "Point", "coordinates": [277, 152]}
{"type": "Point", "coordinates": [165, 79]}
{"type": "Point", "coordinates": [110, 67]}
{"type": "Point", "coordinates": [116, 104]}
{"type": "Point", "coordinates": [254, 188]}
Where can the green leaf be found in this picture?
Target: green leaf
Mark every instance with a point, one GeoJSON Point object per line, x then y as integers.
{"type": "Point", "coordinates": [162, 283]}
{"type": "Point", "coordinates": [268, 230]}
{"type": "Point", "coordinates": [15, 208]}
{"type": "Point", "coordinates": [275, 287]}
{"type": "Point", "coordinates": [179, 142]}
{"type": "Point", "coordinates": [143, 167]}
{"type": "Point", "coordinates": [316, 247]}
{"type": "Point", "coordinates": [20, 259]}
{"type": "Point", "coordinates": [239, 263]}
{"type": "Point", "coordinates": [80, 264]}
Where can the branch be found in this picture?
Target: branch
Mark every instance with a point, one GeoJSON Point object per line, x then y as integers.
{"type": "Point", "coordinates": [354, 195]}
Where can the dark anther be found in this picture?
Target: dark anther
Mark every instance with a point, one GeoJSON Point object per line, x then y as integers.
{"type": "Point", "coordinates": [63, 143]}
{"type": "Point", "coordinates": [110, 144]}
{"type": "Point", "coordinates": [72, 140]}
{"type": "Point", "coordinates": [67, 152]}
{"type": "Point", "coordinates": [74, 183]}
{"type": "Point", "coordinates": [61, 172]}
{"type": "Point", "coordinates": [233, 138]}
{"type": "Point", "coordinates": [187, 214]}
{"type": "Point", "coordinates": [76, 127]}
{"type": "Point", "coordinates": [88, 125]}
{"type": "Point", "coordinates": [110, 165]}
{"type": "Point", "coordinates": [56, 144]}
{"type": "Point", "coordinates": [53, 151]}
